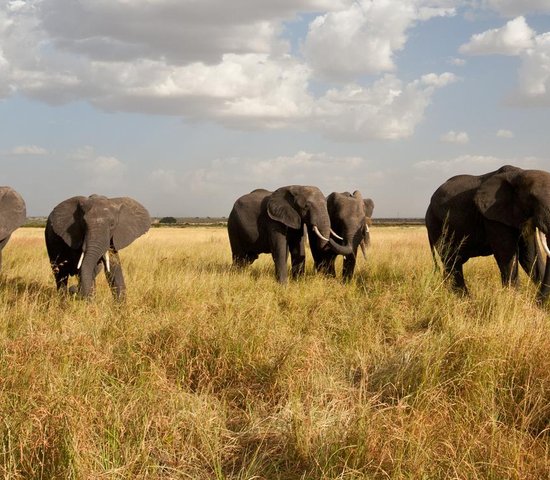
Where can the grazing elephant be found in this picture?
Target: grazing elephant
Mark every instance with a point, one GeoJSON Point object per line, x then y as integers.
{"type": "Point", "coordinates": [12, 215]}
{"type": "Point", "coordinates": [350, 217]}
{"type": "Point", "coordinates": [273, 222]}
{"type": "Point", "coordinates": [501, 213]}
{"type": "Point", "coordinates": [84, 232]}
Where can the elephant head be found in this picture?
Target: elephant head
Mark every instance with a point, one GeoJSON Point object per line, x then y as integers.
{"type": "Point", "coordinates": [96, 225]}
{"type": "Point", "coordinates": [297, 205]}
{"type": "Point", "coordinates": [12, 211]}
{"type": "Point", "coordinates": [520, 199]}
{"type": "Point", "coordinates": [350, 217]}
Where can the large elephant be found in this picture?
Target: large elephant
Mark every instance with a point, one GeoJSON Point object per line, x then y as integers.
{"type": "Point", "coordinates": [273, 222]}
{"type": "Point", "coordinates": [350, 216]}
{"type": "Point", "coordinates": [501, 213]}
{"type": "Point", "coordinates": [13, 214]}
{"type": "Point", "coordinates": [82, 233]}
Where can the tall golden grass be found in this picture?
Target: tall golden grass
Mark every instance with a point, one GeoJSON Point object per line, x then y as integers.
{"type": "Point", "coordinates": [210, 373]}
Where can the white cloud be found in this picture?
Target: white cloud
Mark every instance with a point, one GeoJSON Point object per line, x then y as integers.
{"type": "Point", "coordinates": [502, 133]}
{"type": "Point", "coordinates": [511, 39]}
{"type": "Point", "coordinates": [389, 109]}
{"type": "Point", "coordinates": [513, 8]}
{"type": "Point", "coordinates": [517, 38]}
{"type": "Point", "coordinates": [362, 38]}
{"type": "Point", "coordinates": [153, 57]}
{"type": "Point", "coordinates": [28, 150]}
{"type": "Point", "coordinates": [534, 73]}
{"type": "Point", "coordinates": [220, 178]}
{"type": "Point", "coordinates": [457, 62]}
{"type": "Point", "coordinates": [101, 171]}
{"type": "Point", "coordinates": [455, 137]}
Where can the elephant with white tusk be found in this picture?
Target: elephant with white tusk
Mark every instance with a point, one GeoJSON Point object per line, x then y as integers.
{"type": "Point", "coordinates": [83, 233]}
{"type": "Point", "coordinates": [505, 213]}
{"type": "Point", "coordinates": [274, 222]}
{"type": "Point", "coordinates": [350, 217]}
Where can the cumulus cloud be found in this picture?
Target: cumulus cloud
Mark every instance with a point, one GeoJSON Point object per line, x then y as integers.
{"type": "Point", "coordinates": [363, 38]}
{"type": "Point", "coordinates": [214, 61]}
{"type": "Point", "coordinates": [503, 133]}
{"type": "Point", "coordinates": [511, 39]}
{"type": "Point", "coordinates": [28, 150]}
{"type": "Point", "coordinates": [534, 73]}
{"type": "Point", "coordinates": [517, 38]}
{"type": "Point", "coordinates": [455, 137]}
{"type": "Point", "coordinates": [389, 109]}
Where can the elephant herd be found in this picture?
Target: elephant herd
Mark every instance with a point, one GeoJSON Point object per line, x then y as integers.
{"type": "Point", "coordinates": [505, 213]}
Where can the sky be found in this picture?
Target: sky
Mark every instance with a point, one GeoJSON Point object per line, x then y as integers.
{"type": "Point", "coordinates": [185, 105]}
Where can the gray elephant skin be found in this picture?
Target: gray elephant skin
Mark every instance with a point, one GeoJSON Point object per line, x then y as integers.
{"type": "Point", "coordinates": [83, 233]}
{"type": "Point", "coordinates": [13, 214]}
{"type": "Point", "coordinates": [493, 214]}
{"type": "Point", "coordinates": [274, 222]}
{"type": "Point", "coordinates": [350, 217]}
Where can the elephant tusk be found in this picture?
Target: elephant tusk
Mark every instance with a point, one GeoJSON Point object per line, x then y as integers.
{"type": "Point", "coordinates": [542, 239]}
{"type": "Point", "coordinates": [367, 228]}
{"type": "Point", "coordinates": [80, 261]}
{"type": "Point", "coordinates": [107, 264]}
{"type": "Point", "coordinates": [362, 245]}
{"type": "Point", "coordinates": [316, 230]}
{"type": "Point", "coordinates": [334, 234]}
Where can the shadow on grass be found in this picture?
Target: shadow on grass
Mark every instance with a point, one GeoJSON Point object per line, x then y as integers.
{"type": "Point", "coordinates": [21, 286]}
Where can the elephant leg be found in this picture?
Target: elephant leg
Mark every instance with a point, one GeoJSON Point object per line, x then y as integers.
{"type": "Point", "coordinates": [504, 244]}
{"type": "Point", "coordinates": [453, 267]}
{"type": "Point", "coordinates": [297, 255]}
{"type": "Point", "coordinates": [279, 252]}
{"type": "Point", "coordinates": [349, 266]}
{"type": "Point", "coordinates": [529, 258]}
{"type": "Point", "coordinates": [115, 277]}
{"type": "Point", "coordinates": [327, 266]}
{"type": "Point", "coordinates": [242, 260]}
{"type": "Point", "coordinates": [61, 274]}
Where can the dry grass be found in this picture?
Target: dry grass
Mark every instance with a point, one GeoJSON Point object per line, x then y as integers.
{"type": "Point", "coordinates": [210, 373]}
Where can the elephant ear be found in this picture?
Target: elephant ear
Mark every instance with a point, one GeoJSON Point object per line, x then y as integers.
{"type": "Point", "coordinates": [133, 221]}
{"type": "Point", "coordinates": [67, 221]}
{"type": "Point", "coordinates": [369, 207]}
{"type": "Point", "coordinates": [12, 211]}
{"type": "Point", "coordinates": [280, 208]}
{"type": "Point", "coordinates": [497, 200]}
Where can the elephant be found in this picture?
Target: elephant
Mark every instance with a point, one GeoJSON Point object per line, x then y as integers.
{"type": "Point", "coordinates": [273, 222]}
{"type": "Point", "coordinates": [501, 213]}
{"type": "Point", "coordinates": [84, 233]}
{"type": "Point", "coordinates": [13, 214]}
{"type": "Point", "coordinates": [350, 217]}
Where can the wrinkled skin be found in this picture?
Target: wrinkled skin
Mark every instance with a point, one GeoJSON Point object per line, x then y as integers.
{"type": "Point", "coordinates": [492, 214]}
{"type": "Point", "coordinates": [350, 216]}
{"type": "Point", "coordinates": [95, 226]}
{"type": "Point", "coordinates": [273, 222]}
{"type": "Point", "coordinates": [13, 214]}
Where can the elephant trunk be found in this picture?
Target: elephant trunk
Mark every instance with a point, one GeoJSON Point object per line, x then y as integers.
{"type": "Point", "coordinates": [95, 250]}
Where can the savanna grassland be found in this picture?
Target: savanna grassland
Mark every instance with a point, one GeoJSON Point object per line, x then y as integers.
{"type": "Point", "coordinates": [209, 373]}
